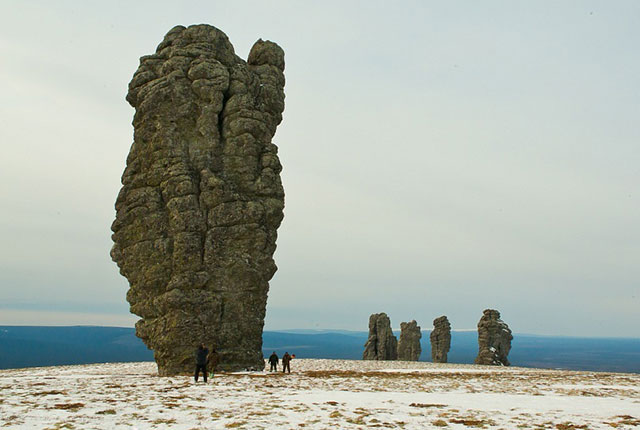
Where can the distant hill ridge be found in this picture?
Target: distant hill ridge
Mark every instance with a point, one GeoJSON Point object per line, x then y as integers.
{"type": "Point", "coordinates": [28, 346]}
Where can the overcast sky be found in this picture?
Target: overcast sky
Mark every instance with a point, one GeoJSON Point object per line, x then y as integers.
{"type": "Point", "coordinates": [439, 158]}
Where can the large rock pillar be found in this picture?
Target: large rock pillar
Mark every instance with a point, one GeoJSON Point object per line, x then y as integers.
{"type": "Point", "coordinates": [381, 344]}
{"type": "Point", "coordinates": [440, 339]}
{"type": "Point", "coordinates": [409, 348]}
{"type": "Point", "coordinates": [201, 197]}
{"type": "Point", "coordinates": [494, 339]}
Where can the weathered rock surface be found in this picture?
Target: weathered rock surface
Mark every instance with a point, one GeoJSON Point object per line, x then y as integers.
{"type": "Point", "coordinates": [201, 197]}
{"type": "Point", "coordinates": [381, 344]}
{"type": "Point", "coordinates": [440, 339]}
{"type": "Point", "coordinates": [494, 339]}
{"type": "Point", "coordinates": [409, 348]}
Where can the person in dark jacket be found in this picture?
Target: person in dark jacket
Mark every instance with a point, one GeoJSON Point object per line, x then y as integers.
{"type": "Point", "coordinates": [201, 362]}
{"type": "Point", "coordinates": [286, 359]}
{"type": "Point", "coordinates": [273, 360]}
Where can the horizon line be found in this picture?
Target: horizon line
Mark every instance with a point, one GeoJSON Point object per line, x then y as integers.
{"type": "Point", "coordinates": [337, 331]}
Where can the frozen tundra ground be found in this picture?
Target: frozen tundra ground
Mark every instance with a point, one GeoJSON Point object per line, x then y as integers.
{"type": "Point", "coordinates": [319, 394]}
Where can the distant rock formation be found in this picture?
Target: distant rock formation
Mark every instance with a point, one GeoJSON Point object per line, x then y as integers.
{"type": "Point", "coordinates": [382, 344]}
{"type": "Point", "coordinates": [440, 339]}
{"type": "Point", "coordinates": [409, 348]}
{"type": "Point", "coordinates": [494, 339]}
{"type": "Point", "coordinates": [201, 197]}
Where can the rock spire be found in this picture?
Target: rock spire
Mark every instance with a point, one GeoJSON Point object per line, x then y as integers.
{"type": "Point", "coordinates": [440, 339]}
{"type": "Point", "coordinates": [201, 197]}
{"type": "Point", "coordinates": [494, 339]}
{"type": "Point", "coordinates": [409, 348]}
{"type": "Point", "coordinates": [382, 344]}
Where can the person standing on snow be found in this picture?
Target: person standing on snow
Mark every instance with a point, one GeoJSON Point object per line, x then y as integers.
{"type": "Point", "coordinates": [286, 359]}
{"type": "Point", "coordinates": [273, 360]}
{"type": "Point", "coordinates": [214, 359]}
{"type": "Point", "coordinates": [201, 362]}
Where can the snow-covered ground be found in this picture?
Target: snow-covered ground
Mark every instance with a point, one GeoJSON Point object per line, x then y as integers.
{"type": "Point", "coordinates": [319, 394]}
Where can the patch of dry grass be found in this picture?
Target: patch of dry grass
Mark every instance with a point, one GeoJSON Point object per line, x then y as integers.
{"type": "Point", "coordinates": [471, 421]}
{"type": "Point", "coordinates": [112, 385]}
{"type": "Point", "coordinates": [624, 420]}
{"type": "Point", "coordinates": [354, 374]}
{"type": "Point", "coordinates": [11, 421]}
{"type": "Point", "coordinates": [49, 393]}
{"type": "Point", "coordinates": [61, 426]}
{"type": "Point", "coordinates": [359, 420]}
{"type": "Point", "coordinates": [629, 420]}
{"type": "Point", "coordinates": [164, 421]}
{"type": "Point", "coordinates": [427, 405]}
{"type": "Point", "coordinates": [570, 426]}
{"type": "Point", "coordinates": [73, 407]}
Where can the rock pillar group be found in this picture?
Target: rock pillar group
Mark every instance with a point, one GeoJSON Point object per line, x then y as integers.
{"type": "Point", "coordinates": [494, 340]}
